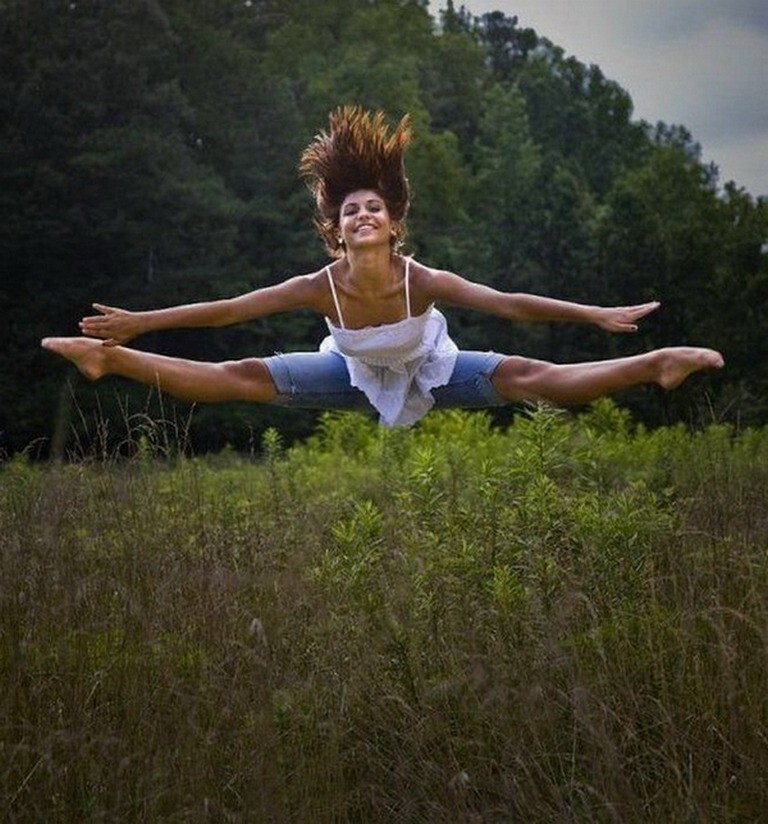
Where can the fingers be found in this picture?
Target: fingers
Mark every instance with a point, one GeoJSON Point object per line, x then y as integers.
{"type": "Point", "coordinates": [104, 309]}
{"type": "Point", "coordinates": [102, 325]}
{"type": "Point", "coordinates": [626, 317]}
{"type": "Point", "coordinates": [641, 310]}
{"type": "Point", "coordinates": [94, 327]}
{"type": "Point", "coordinates": [106, 312]}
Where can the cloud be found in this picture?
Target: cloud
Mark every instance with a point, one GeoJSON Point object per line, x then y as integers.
{"type": "Point", "coordinates": [662, 20]}
{"type": "Point", "coordinates": [716, 77]}
{"type": "Point", "coordinates": [702, 64]}
{"type": "Point", "coordinates": [740, 158]}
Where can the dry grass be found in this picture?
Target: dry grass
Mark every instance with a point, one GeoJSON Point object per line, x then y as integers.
{"type": "Point", "coordinates": [566, 621]}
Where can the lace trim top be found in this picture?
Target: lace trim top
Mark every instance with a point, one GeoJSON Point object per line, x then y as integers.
{"type": "Point", "coordinates": [396, 364]}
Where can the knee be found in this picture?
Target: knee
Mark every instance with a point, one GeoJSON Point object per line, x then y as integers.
{"type": "Point", "coordinates": [253, 376]}
{"type": "Point", "coordinates": [516, 377]}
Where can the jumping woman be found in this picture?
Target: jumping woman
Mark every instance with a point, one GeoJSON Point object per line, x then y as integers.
{"type": "Point", "coordinates": [388, 347]}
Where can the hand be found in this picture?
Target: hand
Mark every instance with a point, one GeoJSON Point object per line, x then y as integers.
{"type": "Point", "coordinates": [622, 318]}
{"type": "Point", "coordinates": [115, 326]}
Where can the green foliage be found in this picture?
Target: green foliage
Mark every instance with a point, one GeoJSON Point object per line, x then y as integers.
{"type": "Point", "coordinates": [553, 620]}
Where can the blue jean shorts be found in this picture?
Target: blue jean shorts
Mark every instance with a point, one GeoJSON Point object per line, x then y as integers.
{"type": "Point", "coordinates": [320, 380]}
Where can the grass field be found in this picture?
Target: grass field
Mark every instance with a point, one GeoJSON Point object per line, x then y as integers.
{"type": "Point", "coordinates": [566, 620]}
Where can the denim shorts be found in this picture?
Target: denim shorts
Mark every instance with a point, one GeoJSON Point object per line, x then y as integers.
{"type": "Point", "coordinates": [320, 380]}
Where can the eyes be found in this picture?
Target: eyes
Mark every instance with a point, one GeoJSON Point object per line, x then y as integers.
{"type": "Point", "coordinates": [373, 206]}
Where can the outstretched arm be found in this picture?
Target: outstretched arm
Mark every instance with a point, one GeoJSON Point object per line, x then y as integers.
{"type": "Point", "coordinates": [117, 326]}
{"type": "Point", "coordinates": [450, 288]}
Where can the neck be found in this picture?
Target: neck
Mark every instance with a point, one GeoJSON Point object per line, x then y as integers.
{"type": "Point", "coordinates": [370, 269]}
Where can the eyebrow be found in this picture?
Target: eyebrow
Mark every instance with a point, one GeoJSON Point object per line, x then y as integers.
{"type": "Point", "coordinates": [377, 200]}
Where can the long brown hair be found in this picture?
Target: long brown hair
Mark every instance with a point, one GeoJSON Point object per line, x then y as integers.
{"type": "Point", "coordinates": [358, 152]}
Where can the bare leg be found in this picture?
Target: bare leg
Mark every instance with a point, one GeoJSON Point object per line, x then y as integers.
{"type": "Point", "coordinates": [246, 380]}
{"type": "Point", "coordinates": [518, 378]}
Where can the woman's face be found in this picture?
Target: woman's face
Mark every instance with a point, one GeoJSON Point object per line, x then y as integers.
{"type": "Point", "coordinates": [364, 219]}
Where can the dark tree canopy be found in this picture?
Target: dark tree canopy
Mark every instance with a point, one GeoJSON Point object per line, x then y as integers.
{"type": "Point", "coordinates": [149, 152]}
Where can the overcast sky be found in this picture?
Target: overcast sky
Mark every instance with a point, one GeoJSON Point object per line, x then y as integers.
{"type": "Point", "coordinates": [702, 64]}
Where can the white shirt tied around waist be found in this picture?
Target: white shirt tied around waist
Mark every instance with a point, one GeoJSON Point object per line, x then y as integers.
{"type": "Point", "coordinates": [397, 364]}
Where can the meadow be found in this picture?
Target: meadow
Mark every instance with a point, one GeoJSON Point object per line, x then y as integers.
{"type": "Point", "coordinates": [561, 620]}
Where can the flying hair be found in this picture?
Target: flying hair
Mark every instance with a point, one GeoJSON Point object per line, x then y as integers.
{"type": "Point", "coordinates": [359, 151]}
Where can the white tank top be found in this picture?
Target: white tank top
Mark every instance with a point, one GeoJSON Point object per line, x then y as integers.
{"type": "Point", "coordinates": [396, 364]}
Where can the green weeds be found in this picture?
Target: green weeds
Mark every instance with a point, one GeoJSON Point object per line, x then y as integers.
{"type": "Point", "coordinates": [563, 621]}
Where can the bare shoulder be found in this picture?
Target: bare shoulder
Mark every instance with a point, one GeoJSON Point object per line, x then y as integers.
{"type": "Point", "coordinates": [434, 284]}
{"type": "Point", "coordinates": [295, 292]}
{"type": "Point", "coordinates": [310, 282]}
{"type": "Point", "coordinates": [420, 271]}
{"type": "Point", "coordinates": [309, 289]}
{"type": "Point", "coordinates": [440, 285]}
{"type": "Point", "coordinates": [423, 278]}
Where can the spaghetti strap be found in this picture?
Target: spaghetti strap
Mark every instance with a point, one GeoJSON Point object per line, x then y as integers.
{"type": "Point", "coordinates": [407, 287]}
{"type": "Point", "coordinates": [335, 297]}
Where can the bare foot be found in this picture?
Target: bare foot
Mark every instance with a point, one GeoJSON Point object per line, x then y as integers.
{"type": "Point", "coordinates": [88, 355]}
{"type": "Point", "coordinates": [677, 362]}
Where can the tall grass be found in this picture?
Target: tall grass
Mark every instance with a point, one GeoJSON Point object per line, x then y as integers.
{"type": "Point", "coordinates": [563, 621]}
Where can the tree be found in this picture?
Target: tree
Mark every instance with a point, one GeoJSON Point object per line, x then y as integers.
{"type": "Point", "coordinates": [106, 194]}
{"type": "Point", "coordinates": [661, 238]}
{"type": "Point", "coordinates": [740, 289]}
{"type": "Point", "coordinates": [148, 155]}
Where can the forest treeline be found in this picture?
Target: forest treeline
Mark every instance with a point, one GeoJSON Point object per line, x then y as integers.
{"type": "Point", "coordinates": [149, 153]}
